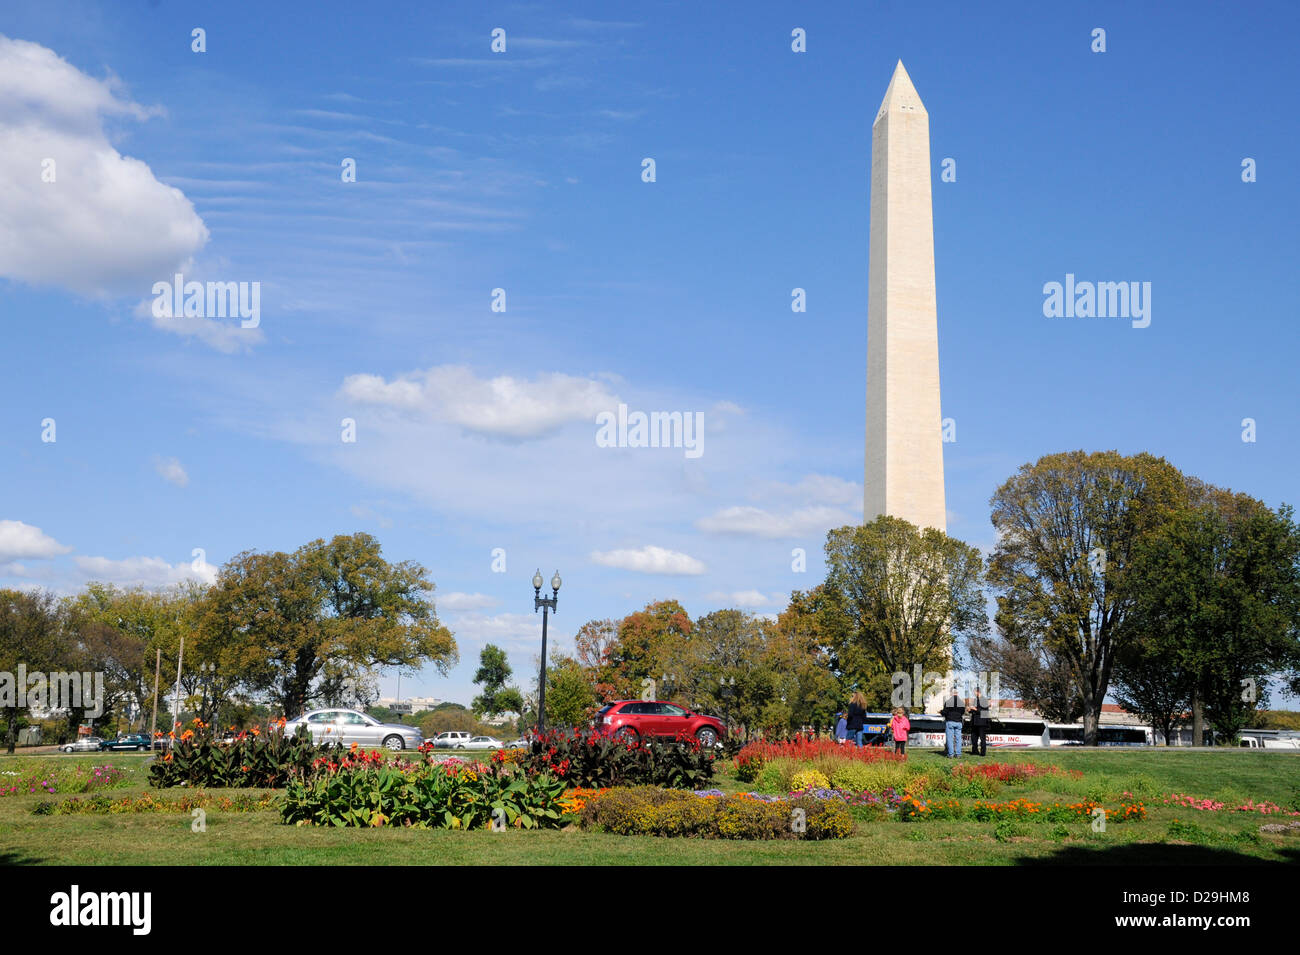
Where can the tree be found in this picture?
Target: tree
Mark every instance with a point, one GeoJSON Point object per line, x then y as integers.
{"type": "Point", "coordinates": [288, 615]}
{"type": "Point", "coordinates": [648, 643]}
{"type": "Point", "coordinates": [30, 632]}
{"type": "Point", "coordinates": [569, 695]}
{"type": "Point", "coordinates": [905, 595]}
{"type": "Point", "coordinates": [1219, 605]}
{"type": "Point", "coordinates": [804, 649]}
{"type": "Point", "coordinates": [1041, 679]}
{"type": "Point", "coordinates": [1067, 527]}
{"type": "Point", "coordinates": [493, 674]}
{"type": "Point", "coordinates": [594, 643]}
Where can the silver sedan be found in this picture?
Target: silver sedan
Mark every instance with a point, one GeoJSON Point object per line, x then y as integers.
{"type": "Point", "coordinates": [349, 726]}
{"type": "Point", "coordinates": [86, 744]}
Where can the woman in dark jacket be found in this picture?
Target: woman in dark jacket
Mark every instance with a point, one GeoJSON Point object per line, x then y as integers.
{"type": "Point", "coordinates": [857, 717]}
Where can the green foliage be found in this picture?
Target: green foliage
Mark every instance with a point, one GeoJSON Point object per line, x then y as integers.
{"type": "Point", "coordinates": [1179, 831]}
{"type": "Point", "coordinates": [570, 698]}
{"type": "Point", "coordinates": [256, 762]}
{"type": "Point", "coordinates": [422, 796]}
{"type": "Point", "coordinates": [493, 674]}
{"type": "Point", "coordinates": [585, 759]}
{"type": "Point", "coordinates": [905, 593]}
{"type": "Point", "coordinates": [1067, 528]}
{"type": "Point", "coordinates": [285, 617]}
{"type": "Point", "coordinates": [772, 777]}
{"type": "Point", "coordinates": [647, 810]}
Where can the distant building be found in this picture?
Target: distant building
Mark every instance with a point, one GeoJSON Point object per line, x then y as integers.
{"type": "Point", "coordinates": [409, 705]}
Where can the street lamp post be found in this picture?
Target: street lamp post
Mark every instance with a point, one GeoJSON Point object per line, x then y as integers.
{"type": "Point", "coordinates": [543, 604]}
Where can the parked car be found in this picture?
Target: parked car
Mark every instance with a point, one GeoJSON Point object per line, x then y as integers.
{"type": "Point", "coordinates": [637, 719]}
{"type": "Point", "coordinates": [131, 741]}
{"type": "Point", "coordinates": [452, 739]}
{"type": "Point", "coordinates": [520, 743]}
{"type": "Point", "coordinates": [349, 726]}
{"type": "Point", "coordinates": [86, 744]}
{"type": "Point", "coordinates": [481, 742]}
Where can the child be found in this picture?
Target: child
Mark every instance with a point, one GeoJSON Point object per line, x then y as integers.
{"type": "Point", "coordinates": [841, 729]}
{"type": "Point", "coordinates": [900, 724]}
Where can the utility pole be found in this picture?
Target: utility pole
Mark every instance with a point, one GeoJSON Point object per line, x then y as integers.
{"type": "Point", "coordinates": [176, 697]}
{"type": "Point", "coordinates": [153, 722]}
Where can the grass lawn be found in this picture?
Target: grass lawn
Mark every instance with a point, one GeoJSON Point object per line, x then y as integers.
{"type": "Point", "coordinates": [257, 838]}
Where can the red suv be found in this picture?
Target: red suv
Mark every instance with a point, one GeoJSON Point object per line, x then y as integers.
{"type": "Point", "coordinates": [635, 719]}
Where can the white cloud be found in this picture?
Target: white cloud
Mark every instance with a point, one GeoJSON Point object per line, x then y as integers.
{"type": "Point", "coordinates": [143, 571]}
{"type": "Point", "coordinates": [502, 406]}
{"type": "Point", "coordinates": [105, 225]}
{"type": "Point", "coordinates": [740, 598]}
{"type": "Point", "coordinates": [170, 470]}
{"type": "Point", "coordinates": [757, 522]}
{"type": "Point", "coordinates": [650, 560]}
{"type": "Point", "coordinates": [19, 541]}
{"type": "Point", "coordinates": [456, 601]}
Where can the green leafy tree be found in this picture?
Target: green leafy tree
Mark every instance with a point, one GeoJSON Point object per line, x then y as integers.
{"type": "Point", "coordinates": [1219, 605]}
{"type": "Point", "coordinates": [286, 616]}
{"type": "Point", "coordinates": [1067, 528]}
{"type": "Point", "coordinates": [570, 699]}
{"type": "Point", "coordinates": [31, 632]}
{"type": "Point", "coordinates": [905, 595]}
{"type": "Point", "coordinates": [493, 674]}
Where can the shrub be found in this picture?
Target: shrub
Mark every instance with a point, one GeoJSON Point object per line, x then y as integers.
{"type": "Point", "coordinates": [809, 779]}
{"type": "Point", "coordinates": [815, 751]}
{"type": "Point", "coordinates": [99, 804]}
{"type": "Point", "coordinates": [252, 761]}
{"type": "Point", "coordinates": [748, 766]}
{"type": "Point", "coordinates": [649, 810]}
{"type": "Point", "coordinates": [871, 777]}
{"type": "Point", "coordinates": [771, 778]}
{"type": "Point", "coordinates": [1178, 831]}
{"type": "Point", "coordinates": [450, 795]}
{"type": "Point", "coordinates": [1007, 830]}
{"type": "Point", "coordinates": [593, 760]}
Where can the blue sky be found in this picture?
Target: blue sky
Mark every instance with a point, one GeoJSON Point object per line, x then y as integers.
{"type": "Point", "coordinates": [522, 171]}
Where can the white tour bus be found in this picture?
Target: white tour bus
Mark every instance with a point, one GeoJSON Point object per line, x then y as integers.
{"type": "Point", "coordinates": [1071, 734]}
{"type": "Point", "coordinates": [927, 730]}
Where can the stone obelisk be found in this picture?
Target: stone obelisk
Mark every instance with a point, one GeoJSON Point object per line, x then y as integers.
{"type": "Point", "coordinates": [904, 470]}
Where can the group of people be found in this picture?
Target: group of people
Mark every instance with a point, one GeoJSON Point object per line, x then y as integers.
{"type": "Point", "coordinates": [851, 723]}
{"type": "Point", "coordinates": [954, 709]}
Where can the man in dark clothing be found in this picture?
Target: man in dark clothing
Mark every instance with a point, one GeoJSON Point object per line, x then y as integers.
{"type": "Point", "coordinates": [857, 717]}
{"type": "Point", "coordinates": [979, 723]}
{"type": "Point", "coordinates": [954, 708]}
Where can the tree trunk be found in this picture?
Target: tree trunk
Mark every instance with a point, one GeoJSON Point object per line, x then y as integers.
{"type": "Point", "coordinates": [11, 734]}
{"type": "Point", "coordinates": [1198, 717]}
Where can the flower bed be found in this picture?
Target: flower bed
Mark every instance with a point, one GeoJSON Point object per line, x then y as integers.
{"type": "Point", "coordinates": [911, 809]}
{"type": "Point", "coordinates": [1209, 805]}
{"type": "Point", "coordinates": [450, 795]}
{"type": "Point", "coordinates": [712, 814]}
{"type": "Point", "coordinates": [1011, 773]}
{"type": "Point", "coordinates": [252, 761]}
{"type": "Point", "coordinates": [78, 779]}
{"type": "Point", "coordinates": [818, 752]}
{"type": "Point", "coordinates": [101, 805]}
{"type": "Point", "coordinates": [592, 760]}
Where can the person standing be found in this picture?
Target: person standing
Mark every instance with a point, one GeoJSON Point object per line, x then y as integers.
{"type": "Point", "coordinates": [979, 723]}
{"type": "Point", "coordinates": [954, 708]}
{"type": "Point", "coordinates": [857, 717]}
{"type": "Point", "coordinates": [841, 727]}
{"type": "Point", "coordinates": [900, 724]}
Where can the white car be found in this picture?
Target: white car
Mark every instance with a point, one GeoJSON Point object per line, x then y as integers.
{"type": "Point", "coordinates": [349, 726]}
{"type": "Point", "coordinates": [87, 744]}
{"type": "Point", "coordinates": [481, 742]}
{"type": "Point", "coordinates": [452, 739]}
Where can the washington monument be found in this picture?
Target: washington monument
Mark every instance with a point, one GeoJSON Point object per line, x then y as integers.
{"type": "Point", "coordinates": [904, 470]}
